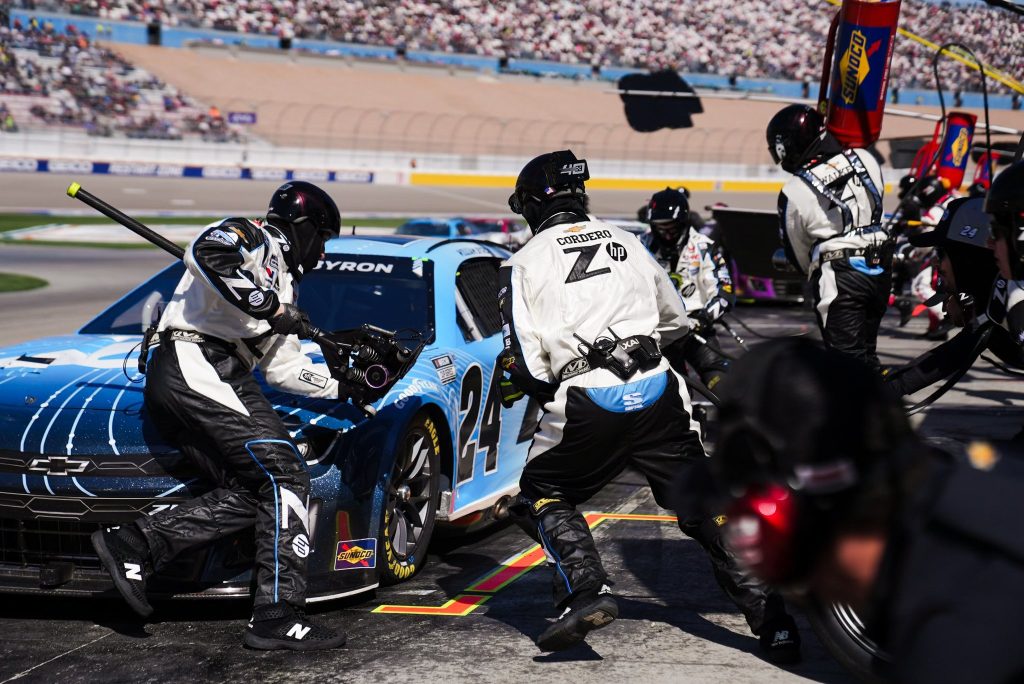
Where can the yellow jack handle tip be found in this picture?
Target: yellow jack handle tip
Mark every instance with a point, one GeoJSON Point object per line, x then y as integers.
{"type": "Point", "coordinates": [73, 189]}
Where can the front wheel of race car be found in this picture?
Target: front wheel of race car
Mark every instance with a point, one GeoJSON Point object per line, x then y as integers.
{"type": "Point", "coordinates": [842, 632]}
{"type": "Point", "coordinates": [411, 502]}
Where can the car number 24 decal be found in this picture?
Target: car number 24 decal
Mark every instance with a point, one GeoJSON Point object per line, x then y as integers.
{"type": "Point", "coordinates": [470, 402]}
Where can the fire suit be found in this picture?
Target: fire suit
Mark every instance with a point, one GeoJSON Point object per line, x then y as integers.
{"type": "Point", "coordinates": [995, 319]}
{"type": "Point", "coordinates": [573, 283]}
{"type": "Point", "coordinates": [700, 273]}
{"type": "Point", "coordinates": [830, 216]}
{"type": "Point", "coordinates": [201, 394]}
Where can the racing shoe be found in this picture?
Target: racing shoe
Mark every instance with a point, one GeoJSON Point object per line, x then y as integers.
{"type": "Point", "coordinates": [906, 309]}
{"type": "Point", "coordinates": [125, 555]}
{"type": "Point", "coordinates": [588, 611]}
{"type": "Point", "coordinates": [780, 641]}
{"type": "Point", "coordinates": [280, 626]}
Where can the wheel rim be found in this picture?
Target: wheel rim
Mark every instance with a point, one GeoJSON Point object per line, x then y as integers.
{"type": "Point", "coordinates": [851, 623]}
{"type": "Point", "coordinates": [409, 496]}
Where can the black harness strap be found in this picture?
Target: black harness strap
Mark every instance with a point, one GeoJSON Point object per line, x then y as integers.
{"type": "Point", "coordinates": [865, 178]}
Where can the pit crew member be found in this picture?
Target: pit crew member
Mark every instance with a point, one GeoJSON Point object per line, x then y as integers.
{"type": "Point", "coordinates": [849, 505]}
{"type": "Point", "coordinates": [701, 275]}
{"type": "Point", "coordinates": [585, 309]}
{"type": "Point", "coordinates": [981, 277]}
{"type": "Point", "coordinates": [234, 309]}
{"type": "Point", "coordinates": [830, 216]}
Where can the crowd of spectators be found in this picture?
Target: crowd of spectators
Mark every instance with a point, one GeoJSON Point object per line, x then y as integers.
{"type": "Point", "coordinates": [92, 87]}
{"type": "Point", "coordinates": [779, 39]}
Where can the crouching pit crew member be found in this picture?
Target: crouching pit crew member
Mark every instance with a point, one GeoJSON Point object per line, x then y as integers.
{"type": "Point", "coordinates": [848, 505]}
{"type": "Point", "coordinates": [830, 216]}
{"type": "Point", "coordinates": [698, 269]}
{"type": "Point", "coordinates": [585, 308]}
{"type": "Point", "coordinates": [981, 262]}
{"type": "Point", "coordinates": [234, 309]}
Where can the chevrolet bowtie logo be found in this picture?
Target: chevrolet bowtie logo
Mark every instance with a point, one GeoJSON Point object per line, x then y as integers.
{"type": "Point", "coordinates": [57, 465]}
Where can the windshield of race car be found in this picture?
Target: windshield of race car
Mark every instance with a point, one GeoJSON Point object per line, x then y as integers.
{"type": "Point", "coordinates": [344, 292]}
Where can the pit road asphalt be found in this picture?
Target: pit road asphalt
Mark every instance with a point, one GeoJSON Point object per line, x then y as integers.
{"type": "Point", "coordinates": [675, 624]}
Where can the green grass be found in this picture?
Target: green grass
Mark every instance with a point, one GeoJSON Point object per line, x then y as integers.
{"type": "Point", "coordinates": [16, 221]}
{"type": "Point", "coordinates": [12, 282]}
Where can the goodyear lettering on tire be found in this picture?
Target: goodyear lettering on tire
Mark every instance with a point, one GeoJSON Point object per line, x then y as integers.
{"type": "Point", "coordinates": [402, 569]}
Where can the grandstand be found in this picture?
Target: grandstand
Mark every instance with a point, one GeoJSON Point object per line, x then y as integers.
{"type": "Point", "coordinates": [780, 39]}
{"type": "Point", "coordinates": [316, 111]}
{"type": "Point", "coordinates": [65, 80]}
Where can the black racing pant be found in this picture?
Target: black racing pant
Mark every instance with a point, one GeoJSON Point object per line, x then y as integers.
{"type": "Point", "coordinates": [850, 305]}
{"type": "Point", "coordinates": [595, 446]}
{"type": "Point", "coordinates": [206, 402]}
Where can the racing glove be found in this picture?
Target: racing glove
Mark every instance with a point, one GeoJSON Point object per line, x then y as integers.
{"type": "Point", "coordinates": [716, 308]}
{"type": "Point", "coordinates": [510, 394]}
{"type": "Point", "coordinates": [291, 320]}
{"type": "Point", "coordinates": [700, 322]}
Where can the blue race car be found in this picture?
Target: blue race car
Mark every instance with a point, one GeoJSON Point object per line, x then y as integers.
{"type": "Point", "coordinates": [77, 451]}
{"type": "Point", "coordinates": [452, 228]}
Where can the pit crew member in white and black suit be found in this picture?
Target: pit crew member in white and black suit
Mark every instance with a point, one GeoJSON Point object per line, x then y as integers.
{"type": "Point", "coordinates": [585, 307]}
{"type": "Point", "coordinates": [698, 269]}
{"type": "Point", "coordinates": [830, 216]}
{"type": "Point", "coordinates": [234, 309]}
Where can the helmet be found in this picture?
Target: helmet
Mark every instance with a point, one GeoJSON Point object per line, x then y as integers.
{"type": "Point", "coordinates": [308, 217]}
{"type": "Point", "coordinates": [791, 484]}
{"type": "Point", "coordinates": [1005, 204]}
{"type": "Point", "coordinates": [794, 134]}
{"type": "Point", "coordinates": [906, 182]}
{"type": "Point", "coordinates": [668, 212]}
{"type": "Point", "coordinates": [547, 177]}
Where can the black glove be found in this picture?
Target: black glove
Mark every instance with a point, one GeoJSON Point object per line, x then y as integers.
{"type": "Point", "coordinates": [700, 322]}
{"type": "Point", "coordinates": [510, 394]}
{"type": "Point", "coordinates": [292, 321]}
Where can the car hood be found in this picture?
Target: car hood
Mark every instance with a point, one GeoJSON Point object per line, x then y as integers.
{"type": "Point", "coordinates": [84, 394]}
{"type": "Point", "coordinates": [68, 368]}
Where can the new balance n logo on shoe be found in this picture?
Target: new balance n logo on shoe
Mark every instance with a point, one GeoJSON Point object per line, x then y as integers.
{"type": "Point", "coordinates": [133, 571]}
{"type": "Point", "coordinates": [298, 631]}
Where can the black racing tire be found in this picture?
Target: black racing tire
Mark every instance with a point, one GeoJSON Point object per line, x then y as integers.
{"type": "Point", "coordinates": [841, 630]}
{"type": "Point", "coordinates": [411, 501]}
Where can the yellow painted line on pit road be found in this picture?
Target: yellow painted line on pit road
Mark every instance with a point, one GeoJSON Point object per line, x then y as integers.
{"type": "Point", "coordinates": [474, 180]}
{"type": "Point", "coordinates": [506, 572]}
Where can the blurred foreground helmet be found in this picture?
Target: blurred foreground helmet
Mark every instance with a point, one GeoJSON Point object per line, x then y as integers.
{"type": "Point", "coordinates": [809, 442]}
{"type": "Point", "coordinates": [551, 176]}
{"type": "Point", "coordinates": [1005, 204]}
{"type": "Point", "coordinates": [308, 217]}
{"type": "Point", "coordinates": [668, 212]}
{"type": "Point", "coordinates": [794, 134]}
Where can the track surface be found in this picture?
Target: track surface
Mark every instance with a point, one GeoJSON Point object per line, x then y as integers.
{"type": "Point", "coordinates": [47, 191]}
{"type": "Point", "coordinates": [675, 624]}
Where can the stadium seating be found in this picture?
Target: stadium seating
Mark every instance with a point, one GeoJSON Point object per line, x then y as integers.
{"type": "Point", "coordinates": [64, 80]}
{"type": "Point", "coordinates": [778, 39]}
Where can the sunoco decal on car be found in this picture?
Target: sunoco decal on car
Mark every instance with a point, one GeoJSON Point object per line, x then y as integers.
{"type": "Point", "coordinates": [445, 367]}
{"type": "Point", "coordinates": [356, 554]}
